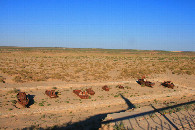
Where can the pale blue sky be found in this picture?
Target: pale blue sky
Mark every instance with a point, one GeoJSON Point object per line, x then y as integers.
{"type": "Point", "coordinates": [115, 24]}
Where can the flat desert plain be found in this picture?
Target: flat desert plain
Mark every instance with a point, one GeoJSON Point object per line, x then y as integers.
{"type": "Point", "coordinates": [35, 70]}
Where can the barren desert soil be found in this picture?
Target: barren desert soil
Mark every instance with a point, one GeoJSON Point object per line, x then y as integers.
{"type": "Point", "coordinates": [70, 108]}
{"type": "Point", "coordinates": [33, 71]}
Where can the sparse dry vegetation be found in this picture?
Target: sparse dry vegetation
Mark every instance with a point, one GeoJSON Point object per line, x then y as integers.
{"type": "Point", "coordinates": [2, 79]}
{"type": "Point", "coordinates": [21, 68]}
{"type": "Point", "coordinates": [41, 64]}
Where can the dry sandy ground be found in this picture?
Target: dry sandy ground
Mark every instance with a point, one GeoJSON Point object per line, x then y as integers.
{"type": "Point", "coordinates": [147, 118]}
{"type": "Point", "coordinates": [69, 108]}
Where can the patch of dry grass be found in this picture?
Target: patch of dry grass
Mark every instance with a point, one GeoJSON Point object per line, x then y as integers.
{"type": "Point", "coordinates": [2, 79]}
{"type": "Point", "coordinates": [91, 65]}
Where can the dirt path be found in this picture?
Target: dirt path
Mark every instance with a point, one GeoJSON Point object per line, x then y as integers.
{"type": "Point", "coordinates": [64, 85]}
{"type": "Point", "coordinates": [60, 112]}
{"type": "Point", "coordinates": [103, 103]}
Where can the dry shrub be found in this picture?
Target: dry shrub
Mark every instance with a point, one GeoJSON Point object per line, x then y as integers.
{"type": "Point", "coordinates": [2, 79]}
{"type": "Point", "coordinates": [18, 79]}
{"type": "Point", "coordinates": [14, 91]}
{"type": "Point", "coordinates": [100, 65]}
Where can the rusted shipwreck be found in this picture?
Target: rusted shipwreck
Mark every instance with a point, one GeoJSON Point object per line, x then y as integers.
{"type": "Point", "coordinates": [81, 94]}
{"type": "Point", "coordinates": [120, 87]}
{"type": "Point", "coordinates": [23, 99]}
{"type": "Point", "coordinates": [145, 83]}
{"type": "Point", "coordinates": [106, 88]}
{"type": "Point", "coordinates": [168, 84]}
{"type": "Point", "coordinates": [51, 93]}
{"type": "Point", "coordinates": [90, 91]}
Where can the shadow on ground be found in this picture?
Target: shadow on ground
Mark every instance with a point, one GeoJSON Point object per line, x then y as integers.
{"type": "Point", "coordinates": [182, 121]}
{"type": "Point", "coordinates": [31, 100]}
{"type": "Point", "coordinates": [92, 123]}
{"type": "Point", "coordinates": [95, 122]}
{"type": "Point", "coordinates": [129, 104]}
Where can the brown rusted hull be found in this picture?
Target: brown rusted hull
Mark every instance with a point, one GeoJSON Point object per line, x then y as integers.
{"type": "Point", "coordinates": [82, 95]}
{"type": "Point", "coordinates": [23, 99]}
{"type": "Point", "coordinates": [23, 102]}
{"type": "Point", "coordinates": [121, 87]}
{"type": "Point", "coordinates": [51, 93]}
{"type": "Point", "coordinates": [90, 91]}
{"type": "Point", "coordinates": [149, 84]}
{"type": "Point", "coordinates": [105, 88]}
{"type": "Point", "coordinates": [168, 84]}
{"type": "Point", "coordinates": [145, 83]}
{"type": "Point", "coordinates": [141, 81]}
